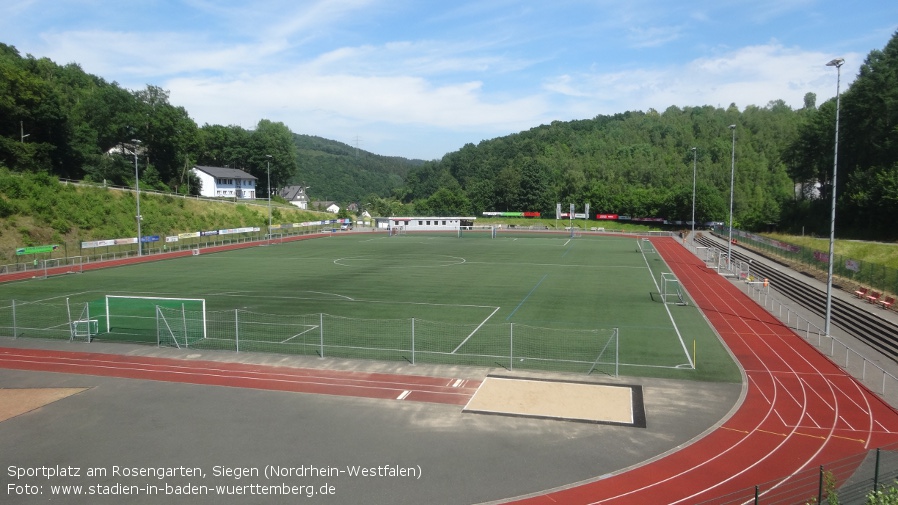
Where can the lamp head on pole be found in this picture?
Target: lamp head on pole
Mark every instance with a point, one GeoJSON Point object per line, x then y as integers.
{"type": "Point", "coordinates": [732, 127]}
{"type": "Point", "coordinates": [836, 63]}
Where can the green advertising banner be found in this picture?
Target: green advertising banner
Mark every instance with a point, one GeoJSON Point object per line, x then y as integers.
{"type": "Point", "coordinates": [36, 249]}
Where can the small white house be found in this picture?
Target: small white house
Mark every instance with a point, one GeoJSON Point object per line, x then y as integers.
{"type": "Point", "coordinates": [331, 207]}
{"type": "Point", "coordinates": [217, 182]}
{"type": "Point", "coordinates": [296, 195]}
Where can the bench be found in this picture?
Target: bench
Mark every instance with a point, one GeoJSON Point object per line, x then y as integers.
{"type": "Point", "coordinates": [861, 292]}
{"type": "Point", "coordinates": [874, 297]}
{"type": "Point", "coordinates": [888, 302]}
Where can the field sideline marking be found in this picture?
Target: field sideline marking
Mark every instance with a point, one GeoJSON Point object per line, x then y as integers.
{"type": "Point", "coordinates": [341, 298]}
{"type": "Point", "coordinates": [562, 265]}
{"type": "Point", "coordinates": [463, 342]}
{"type": "Point", "coordinates": [526, 297]}
{"type": "Point", "coordinates": [669, 315]}
{"type": "Point", "coordinates": [46, 300]}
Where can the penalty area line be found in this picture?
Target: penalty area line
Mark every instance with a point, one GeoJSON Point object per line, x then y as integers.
{"type": "Point", "coordinates": [463, 342]}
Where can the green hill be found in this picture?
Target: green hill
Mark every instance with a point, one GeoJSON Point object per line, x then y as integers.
{"type": "Point", "coordinates": [36, 209]}
{"type": "Point", "coordinates": [338, 172]}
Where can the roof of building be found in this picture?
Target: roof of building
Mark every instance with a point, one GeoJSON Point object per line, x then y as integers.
{"type": "Point", "coordinates": [228, 173]}
{"type": "Point", "coordinates": [294, 193]}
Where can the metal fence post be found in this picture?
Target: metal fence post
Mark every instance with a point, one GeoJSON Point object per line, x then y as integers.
{"type": "Point", "coordinates": [413, 340]}
{"type": "Point", "coordinates": [68, 310]}
{"type": "Point", "coordinates": [617, 352]}
{"type": "Point", "coordinates": [321, 331]}
{"type": "Point", "coordinates": [820, 487]}
{"type": "Point", "coordinates": [184, 324]}
{"type": "Point", "coordinates": [15, 331]}
{"type": "Point", "coordinates": [237, 329]}
{"type": "Point", "coordinates": [876, 473]}
{"type": "Point", "coordinates": [510, 346]}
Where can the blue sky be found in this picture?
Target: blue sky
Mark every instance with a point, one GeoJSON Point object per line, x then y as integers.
{"type": "Point", "coordinates": [422, 78]}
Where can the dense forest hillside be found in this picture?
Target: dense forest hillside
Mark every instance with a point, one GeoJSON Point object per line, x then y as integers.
{"type": "Point", "coordinates": [779, 161]}
{"type": "Point", "coordinates": [61, 120]}
{"type": "Point", "coordinates": [338, 172]}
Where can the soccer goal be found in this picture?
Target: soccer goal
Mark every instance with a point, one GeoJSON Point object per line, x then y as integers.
{"type": "Point", "coordinates": [85, 327]}
{"type": "Point", "coordinates": [138, 314]}
{"type": "Point", "coordinates": [60, 266]}
{"type": "Point", "coordinates": [179, 327]}
{"type": "Point", "coordinates": [645, 246]}
{"type": "Point", "coordinates": [477, 231]}
{"type": "Point", "coordinates": [397, 230]}
{"type": "Point", "coordinates": [671, 290]}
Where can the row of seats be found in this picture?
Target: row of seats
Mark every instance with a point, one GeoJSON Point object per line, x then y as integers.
{"type": "Point", "coordinates": [875, 297]}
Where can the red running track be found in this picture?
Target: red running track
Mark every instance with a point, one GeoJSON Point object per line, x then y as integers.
{"type": "Point", "coordinates": [800, 411]}
{"type": "Point", "coordinates": [300, 380]}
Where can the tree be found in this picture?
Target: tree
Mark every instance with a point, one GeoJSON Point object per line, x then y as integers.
{"type": "Point", "coordinates": [167, 133]}
{"type": "Point", "coordinates": [445, 202]}
{"type": "Point", "coordinates": [275, 140]}
{"type": "Point", "coordinates": [223, 146]}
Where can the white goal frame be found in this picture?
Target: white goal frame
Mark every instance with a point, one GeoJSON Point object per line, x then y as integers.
{"type": "Point", "coordinates": [201, 300]}
{"type": "Point", "coordinates": [85, 328]}
{"type": "Point", "coordinates": [649, 246]}
{"type": "Point", "coordinates": [669, 284]}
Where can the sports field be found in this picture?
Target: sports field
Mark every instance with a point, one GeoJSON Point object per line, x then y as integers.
{"type": "Point", "coordinates": [515, 301]}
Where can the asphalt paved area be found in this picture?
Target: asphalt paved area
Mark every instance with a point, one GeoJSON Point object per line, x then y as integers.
{"type": "Point", "coordinates": [130, 426]}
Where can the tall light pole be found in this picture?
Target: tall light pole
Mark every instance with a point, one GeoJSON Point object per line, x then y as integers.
{"type": "Point", "coordinates": [694, 158]}
{"type": "Point", "coordinates": [732, 182]}
{"type": "Point", "coordinates": [269, 197]}
{"type": "Point", "coordinates": [832, 223]}
{"type": "Point", "coordinates": [137, 187]}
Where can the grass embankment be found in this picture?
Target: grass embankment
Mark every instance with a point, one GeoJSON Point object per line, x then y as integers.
{"type": "Point", "coordinates": [881, 253]}
{"type": "Point", "coordinates": [36, 209]}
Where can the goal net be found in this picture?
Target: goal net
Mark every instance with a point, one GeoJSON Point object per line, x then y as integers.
{"type": "Point", "coordinates": [179, 327]}
{"type": "Point", "coordinates": [137, 314]}
{"type": "Point", "coordinates": [645, 246]}
{"type": "Point", "coordinates": [477, 231]}
{"type": "Point", "coordinates": [85, 327]}
{"type": "Point", "coordinates": [671, 290]}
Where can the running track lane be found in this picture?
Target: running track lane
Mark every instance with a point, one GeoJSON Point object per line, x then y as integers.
{"type": "Point", "coordinates": [276, 378]}
{"type": "Point", "coordinates": [800, 411]}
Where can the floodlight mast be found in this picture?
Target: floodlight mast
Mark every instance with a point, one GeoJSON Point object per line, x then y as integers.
{"type": "Point", "coordinates": [694, 158]}
{"type": "Point", "coordinates": [269, 197]}
{"type": "Point", "coordinates": [838, 62]}
{"type": "Point", "coordinates": [137, 188]}
{"type": "Point", "coordinates": [732, 183]}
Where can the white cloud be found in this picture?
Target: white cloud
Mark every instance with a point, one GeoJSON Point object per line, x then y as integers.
{"type": "Point", "coordinates": [399, 100]}
{"type": "Point", "coordinates": [429, 74]}
{"type": "Point", "coordinates": [753, 75]}
{"type": "Point", "coordinates": [653, 36]}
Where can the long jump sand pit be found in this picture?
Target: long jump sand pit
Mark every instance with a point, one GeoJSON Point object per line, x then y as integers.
{"type": "Point", "coordinates": [14, 402]}
{"type": "Point", "coordinates": [586, 402]}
